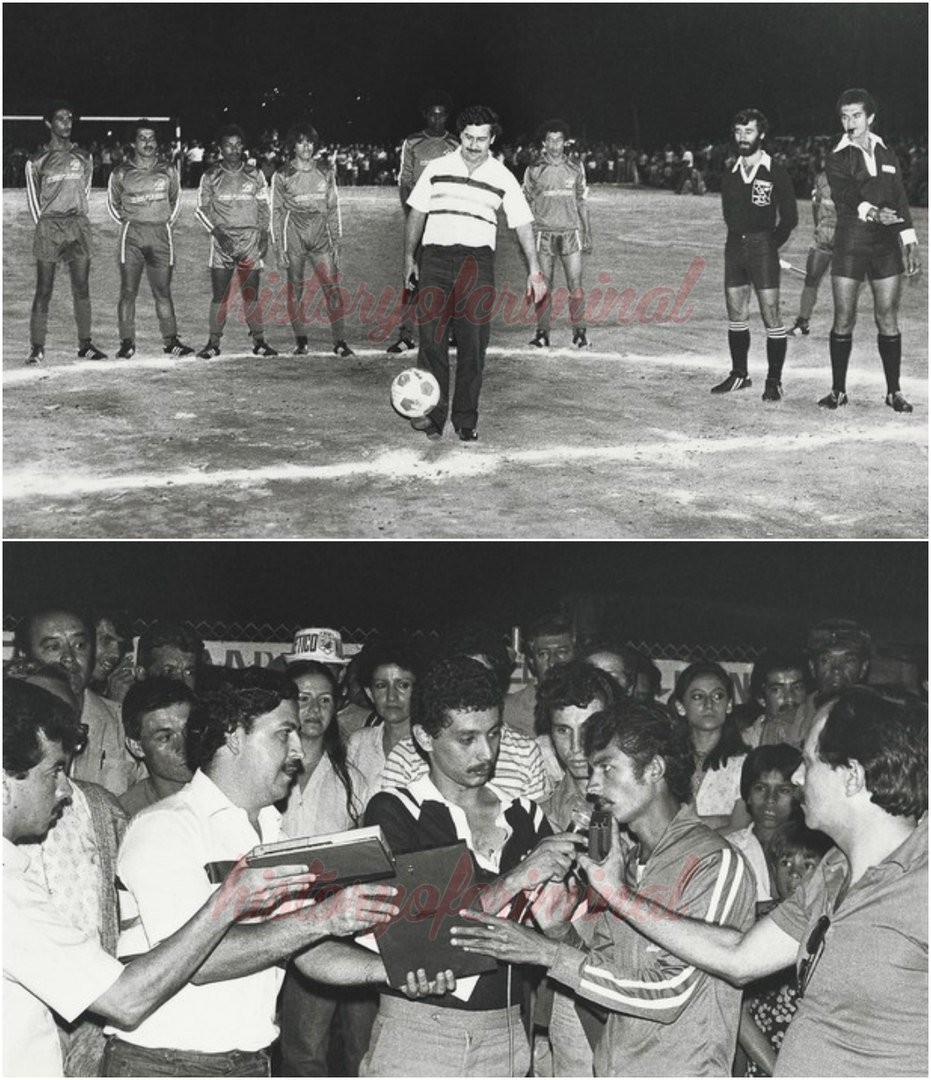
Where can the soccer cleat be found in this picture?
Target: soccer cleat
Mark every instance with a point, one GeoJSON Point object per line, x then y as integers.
{"type": "Point", "coordinates": [209, 351]}
{"type": "Point", "coordinates": [36, 355]}
{"type": "Point", "coordinates": [403, 344]}
{"type": "Point", "coordinates": [262, 348]}
{"type": "Point", "coordinates": [300, 347]}
{"type": "Point", "coordinates": [772, 390]}
{"type": "Point", "coordinates": [467, 434]}
{"type": "Point", "coordinates": [176, 347]}
{"type": "Point", "coordinates": [580, 338]}
{"type": "Point", "coordinates": [87, 350]}
{"type": "Point", "coordinates": [834, 400]}
{"type": "Point", "coordinates": [127, 349]}
{"type": "Point", "coordinates": [426, 425]}
{"type": "Point", "coordinates": [735, 381]}
{"type": "Point", "coordinates": [800, 326]}
{"type": "Point", "coordinates": [897, 402]}
{"type": "Point", "coordinates": [340, 348]}
{"type": "Point", "coordinates": [541, 339]}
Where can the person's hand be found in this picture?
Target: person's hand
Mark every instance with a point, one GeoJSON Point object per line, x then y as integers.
{"type": "Point", "coordinates": [504, 940]}
{"type": "Point", "coordinates": [419, 986]}
{"type": "Point", "coordinates": [550, 860]}
{"type": "Point", "coordinates": [552, 908]}
{"type": "Point", "coordinates": [263, 243]}
{"type": "Point", "coordinates": [609, 877]}
{"type": "Point", "coordinates": [912, 261]}
{"type": "Point", "coordinates": [121, 678]}
{"type": "Point", "coordinates": [284, 259]}
{"type": "Point", "coordinates": [224, 242]}
{"type": "Point", "coordinates": [536, 286]}
{"type": "Point", "coordinates": [410, 273]}
{"type": "Point", "coordinates": [360, 907]}
{"type": "Point", "coordinates": [259, 890]}
{"type": "Point", "coordinates": [586, 245]}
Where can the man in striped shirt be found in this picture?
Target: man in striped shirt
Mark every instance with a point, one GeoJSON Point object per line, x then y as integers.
{"type": "Point", "coordinates": [665, 1017]}
{"type": "Point", "coordinates": [453, 211]}
{"type": "Point", "coordinates": [144, 197]}
{"type": "Point", "coordinates": [58, 180]}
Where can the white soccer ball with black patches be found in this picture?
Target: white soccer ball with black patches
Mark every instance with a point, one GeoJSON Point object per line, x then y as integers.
{"type": "Point", "coordinates": [414, 392]}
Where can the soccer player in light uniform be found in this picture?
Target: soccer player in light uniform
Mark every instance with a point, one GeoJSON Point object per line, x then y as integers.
{"type": "Point", "coordinates": [58, 179]}
{"type": "Point", "coordinates": [556, 190]}
{"type": "Point", "coordinates": [306, 224]}
{"type": "Point", "coordinates": [144, 197]}
{"type": "Point", "coordinates": [821, 251]}
{"type": "Point", "coordinates": [432, 142]}
{"type": "Point", "coordinates": [754, 194]}
{"type": "Point", "coordinates": [232, 205]}
{"type": "Point", "coordinates": [872, 218]}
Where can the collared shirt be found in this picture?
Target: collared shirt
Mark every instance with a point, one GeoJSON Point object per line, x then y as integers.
{"type": "Point", "coordinates": [47, 964]}
{"type": "Point", "coordinates": [462, 207]}
{"type": "Point", "coordinates": [863, 180]}
{"type": "Point", "coordinates": [105, 760]}
{"type": "Point", "coordinates": [761, 200]}
{"type": "Point", "coordinates": [865, 1009]}
{"type": "Point", "coordinates": [152, 196]}
{"type": "Point", "coordinates": [162, 864]}
{"type": "Point", "coordinates": [321, 806]}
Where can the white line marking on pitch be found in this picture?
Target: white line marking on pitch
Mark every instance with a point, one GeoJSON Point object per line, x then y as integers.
{"type": "Point", "coordinates": [416, 465]}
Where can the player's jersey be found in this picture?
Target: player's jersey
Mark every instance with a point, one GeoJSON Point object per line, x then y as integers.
{"type": "Point", "coordinates": [417, 150]}
{"type": "Point", "coordinates": [58, 182]}
{"type": "Point", "coordinates": [151, 196]}
{"type": "Point", "coordinates": [752, 202]}
{"type": "Point", "coordinates": [301, 197]}
{"type": "Point", "coordinates": [555, 190]}
{"type": "Point", "coordinates": [233, 199]}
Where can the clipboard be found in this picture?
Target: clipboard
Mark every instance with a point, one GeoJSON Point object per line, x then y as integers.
{"type": "Point", "coordinates": [436, 885]}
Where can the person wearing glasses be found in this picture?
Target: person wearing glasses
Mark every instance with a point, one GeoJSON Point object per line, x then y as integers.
{"type": "Point", "coordinates": [858, 929]}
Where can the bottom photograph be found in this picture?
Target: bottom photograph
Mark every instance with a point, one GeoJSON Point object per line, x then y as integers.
{"type": "Point", "coordinates": [465, 809]}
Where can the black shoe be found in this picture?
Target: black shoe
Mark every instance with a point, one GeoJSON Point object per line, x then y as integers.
{"type": "Point", "coordinates": [834, 400]}
{"type": "Point", "coordinates": [580, 338]}
{"type": "Point", "coordinates": [261, 347]}
{"type": "Point", "coordinates": [403, 344]}
{"type": "Point", "coordinates": [800, 326]}
{"type": "Point", "coordinates": [735, 381]}
{"type": "Point", "coordinates": [540, 340]}
{"type": "Point", "coordinates": [87, 350]}
{"type": "Point", "coordinates": [36, 355]}
{"type": "Point", "coordinates": [127, 349]}
{"type": "Point", "coordinates": [209, 351]}
{"type": "Point", "coordinates": [176, 347]}
{"type": "Point", "coordinates": [340, 348]}
{"type": "Point", "coordinates": [467, 434]}
{"type": "Point", "coordinates": [426, 425]}
{"type": "Point", "coordinates": [300, 347]}
{"type": "Point", "coordinates": [772, 391]}
{"type": "Point", "coordinates": [897, 402]}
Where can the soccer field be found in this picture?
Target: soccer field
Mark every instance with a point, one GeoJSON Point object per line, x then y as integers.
{"type": "Point", "coordinates": [622, 440]}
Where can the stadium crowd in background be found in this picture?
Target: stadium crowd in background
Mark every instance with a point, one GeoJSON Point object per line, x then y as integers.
{"type": "Point", "coordinates": [807, 802]}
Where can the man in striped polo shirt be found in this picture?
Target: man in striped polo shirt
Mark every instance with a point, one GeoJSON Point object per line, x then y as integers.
{"type": "Point", "coordinates": [453, 210]}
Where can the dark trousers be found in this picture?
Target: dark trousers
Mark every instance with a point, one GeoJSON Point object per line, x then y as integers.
{"type": "Point", "coordinates": [126, 1059]}
{"type": "Point", "coordinates": [457, 288]}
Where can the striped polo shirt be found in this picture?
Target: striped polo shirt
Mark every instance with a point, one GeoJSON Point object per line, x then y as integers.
{"type": "Point", "coordinates": [463, 208]}
{"type": "Point", "coordinates": [519, 771]}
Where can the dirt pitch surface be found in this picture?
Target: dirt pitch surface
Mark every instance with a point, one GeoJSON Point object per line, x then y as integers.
{"type": "Point", "coordinates": [621, 440]}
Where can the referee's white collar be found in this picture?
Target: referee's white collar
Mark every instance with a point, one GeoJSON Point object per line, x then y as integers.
{"type": "Point", "coordinates": [874, 141]}
{"type": "Point", "coordinates": [765, 160]}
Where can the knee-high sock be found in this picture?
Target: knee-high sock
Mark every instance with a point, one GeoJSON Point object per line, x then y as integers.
{"type": "Point", "coordinates": [577, 309]}
{"type": "Point", "coordinates": [217, 319]}
{"type": "Point", "coordinates": [738, 341]}
{"type": "Point", "coordinates": [890, 352]}
{"type": "Point", "coordinates": [167, 323]}
{"type": "Point", "coordinates": [776, 341]}
{"type": "Point", "coordinates": [38, 327]}
{"type": "Point", "coordinates": [841, 344]}
{"type": "Point", "coordinates": [82, 316]}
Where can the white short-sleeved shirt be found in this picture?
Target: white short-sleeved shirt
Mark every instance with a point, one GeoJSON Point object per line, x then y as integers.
{"type": "Point", "coordinates": [47, 964]}
{"type": "Point", "coordinates": [745, 841]}
{"type": "Point", "coordinates": [162, 864]}
{"type": "Point", "coordinates": [462, 208]}
{"type": "Point", "coordinates": [719, 789]}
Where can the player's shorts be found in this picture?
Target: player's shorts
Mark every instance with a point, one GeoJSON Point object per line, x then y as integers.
{"type": "Point", "coordinates": [62, 239]}
{"type": "Point", "coordinates": [307, 235]}
{"type": "Point", "coordinates": [861, 254]}
{"type": "Point", "coordinates": [247, 246]}
{"type": "Point", "coordinates": [751, 259]}
{"type": "Point", "coordinates": [559, 241]}
{"type": "Point", "coordinates": [146, 244]}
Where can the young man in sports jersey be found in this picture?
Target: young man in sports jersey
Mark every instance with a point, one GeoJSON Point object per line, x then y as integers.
{"type": "Point", "coordinates": [432, 142]}
{"type": "Point", "coordinates": [58, 179]}
{"type": "Point", "coordinates": [872, 218]}
{"type": "Point", "coordinates": [760, 212]}
{"type": "Point", "coordinates": [306, 224]}
{"type": "Point", "coordinates": [556, 190]}
{"type": "Point", "coordinates": [232, 205]}
{"type": "Point", "coordinates": [656, 1014]}
{"type": "Point", "coordinates": [144, 197]}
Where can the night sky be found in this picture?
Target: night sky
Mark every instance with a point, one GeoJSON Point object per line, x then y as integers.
{"type": "Point", "coordinates": [684, 591]}
{"type": "Point", "coordinates": [663, 71]}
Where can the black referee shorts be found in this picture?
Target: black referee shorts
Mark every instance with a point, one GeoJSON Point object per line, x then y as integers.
{"type": "Point", "coordinates": [751, 259]}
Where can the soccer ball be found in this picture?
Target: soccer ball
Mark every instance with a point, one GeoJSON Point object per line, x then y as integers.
{"type": "Point", "coordinates": [414, 392]}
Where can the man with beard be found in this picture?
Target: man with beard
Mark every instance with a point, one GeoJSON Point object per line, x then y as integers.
{"type": "Point", "coordinates": [760, 213]}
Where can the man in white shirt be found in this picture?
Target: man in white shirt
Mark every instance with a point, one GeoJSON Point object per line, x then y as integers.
{"type": "Point", "coordinates": [454, 213]}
